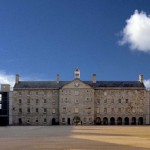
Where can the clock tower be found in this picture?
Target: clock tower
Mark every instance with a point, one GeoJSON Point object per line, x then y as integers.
{"type": "Point", "coordinates": [77, 73]}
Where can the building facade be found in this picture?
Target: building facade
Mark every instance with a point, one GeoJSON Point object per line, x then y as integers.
{"type": "Point", "coordinates": [79, 102]}
{"type": "Point", "coordinates": [4, 104]}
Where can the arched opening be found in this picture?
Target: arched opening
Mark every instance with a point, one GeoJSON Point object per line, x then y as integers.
{"type": "Point", "coordinates": [133, 121]}
{"type": "Point", "coordinates": [98, 121]}
{"type": "Point", "coordinates": [119, 121]}
{"type": "Point", "coordinates": [53, 121]}
{"type": "Point", "coordinates": [105, 121]}
{"type": "Point", "coordinates": [140, 121]}
{"type": "Point", "coordinates": [76, 120]}
{"type": "Point", "coordinates": [126, 121]}
{"type": "Point", "coordinates": [112, 121]}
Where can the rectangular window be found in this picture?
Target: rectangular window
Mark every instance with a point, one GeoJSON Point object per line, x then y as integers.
{"type": "Point", "coordinates": [45, 120]}
{"type": "Point", "coordinates": [45, 101]}
{"type": "Point", "coordinates": [37, 110]}
{"type": "Point", "coordinates": [63, 119]}
{"type": "Point", "coordinates": [119, 101]}
{"type": "Point", "coordinates": [20, 101]}
{"type": "Point", "coordinates": [37, 101]}
{"type": "Point", "coordinates": [19, 93]}
{"type": "Point", "coordinates": [53, 111]}
{"type": "Point", "coordinates": [0, 98]}
{"type": "Point", "coordinates": [97, 110]}
{"type": "Point", "coordinates": [105, 110]}
{"type": "Point", "coordinates": [76, 110]}
{"type": "Point", "coordinates": [64, 109]}
{"type": "Point", "coordinates": [20, 110]}
{"type": "Point", "coordinates": [112, 100]}
{"type": "Point", "coordinates": [112, 110]}
{"type": "Point", "coordinates": [105, 101]}
{"type": "Point", "coordinates": [127, 100]}
{"type": "Point", "coordinates": [28, 101]}
{"type": "Point", "coordinates": [0, 106]}
{"type": "Point", "coordinates": [28, 110]}
{"type": "Point", "coordinates": [45, 110]}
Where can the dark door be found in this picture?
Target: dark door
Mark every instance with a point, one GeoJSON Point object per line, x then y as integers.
{"type": "Point", "coordinates": [68, 121]}
{"type": "Point", "coordinates": [53, 121]}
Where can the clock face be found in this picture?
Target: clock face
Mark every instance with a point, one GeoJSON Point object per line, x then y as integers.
{"type": "Point", "coordinates": [76, 84]}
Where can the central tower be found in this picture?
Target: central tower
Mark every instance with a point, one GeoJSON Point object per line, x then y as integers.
{"type": "Point", "coordinates": [77, 73]}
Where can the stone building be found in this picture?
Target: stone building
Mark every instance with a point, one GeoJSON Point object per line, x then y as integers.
{"type": "Point", "coordinates": [79, 102]}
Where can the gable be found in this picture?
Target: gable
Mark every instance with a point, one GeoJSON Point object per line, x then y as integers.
{"type": "Point", "coordinates": [77, 83]}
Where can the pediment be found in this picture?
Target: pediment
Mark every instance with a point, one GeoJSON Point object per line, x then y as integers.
{"type": "Point", "coordinates": [76, 83]}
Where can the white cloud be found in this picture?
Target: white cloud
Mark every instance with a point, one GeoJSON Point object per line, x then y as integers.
{"type": "Point", "coordinates": [136, 33]}
{"type": "Point", "coordinates": [147, 83]}
{"type": "Point", "coordinates": [7, 78]}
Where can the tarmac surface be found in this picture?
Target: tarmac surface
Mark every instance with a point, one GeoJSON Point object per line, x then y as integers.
{"type": "Point", "coordinates": [75, 138]}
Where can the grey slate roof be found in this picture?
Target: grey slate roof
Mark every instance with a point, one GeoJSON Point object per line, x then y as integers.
{"type": "Point", "coordinates": [98, 84]}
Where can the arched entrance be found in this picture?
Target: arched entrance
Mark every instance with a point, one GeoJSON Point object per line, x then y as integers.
{"type": "Point", "coordinates": [140, 121]}
{"type": "Point", "coordinates": [76, 120]}
{"type": "Point", "coordinates": [53, 121]}
{"type": "Point", "coordinates": [112, 121]}
{"type": "Point", "coordinates": [105, 121]}
{"type": "Point", "coordinates": [98, 121]}
{"type": "Point", "coordinates": [133, 121]}
{"type": "Point", "coordinates": [119, 121]}
{"type": "Point", "coordinates": [126, 121]}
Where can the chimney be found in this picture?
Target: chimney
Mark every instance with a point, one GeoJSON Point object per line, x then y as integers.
{"type": "Point", "coordinates": [141, 78]}
{"type": "Point", "coordinates": [17, 78]}
{"type": "Point", "coordinates": [58, 78]}
{"type": "Point", "coordinates": [94, 78]}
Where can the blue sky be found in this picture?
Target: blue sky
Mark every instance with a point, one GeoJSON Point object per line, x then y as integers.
{"type": "Point", "coordinates": [40, 38]}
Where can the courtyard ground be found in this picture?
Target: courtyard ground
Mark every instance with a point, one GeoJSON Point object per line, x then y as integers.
{"type": "Point", "coordinates": [75, 138]}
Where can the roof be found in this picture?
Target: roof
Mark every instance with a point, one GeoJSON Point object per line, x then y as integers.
{"type": "Point", "coordinates": [98, 84]}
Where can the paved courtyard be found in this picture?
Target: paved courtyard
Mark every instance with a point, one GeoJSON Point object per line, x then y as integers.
{"type": "Point", "coordinates": [75, 138]}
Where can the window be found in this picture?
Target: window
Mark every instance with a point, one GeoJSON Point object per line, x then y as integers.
{"type": "Point", "coordinates": [45, 120]}
{"type": "Point", "coordinates": [28, 110]}
{"type": "Point", "coordinates": [105, 101]}
{"type": "Point", "coordinates": [64, 109]}
{"type": "Point", "coordinates": [112, 110]}
{"type": "Point", "coordinates": [37, 110]}
{"type": "Point", "coordinates": [76, 110]}
{"type": "Point", "coordinates": [112, 100]}
{"type": "Point", "coordinates": [0, 98]}
{"type": "Point", "coordinates": [127, 100]}
{"type": "Point", "coordinates": [36, 120]}
{"type": "Point", "coordinates": [45, 101]}
{"type": "Point", "coordinates": [53, 111]}
{"type": "Point", "coordinates": [97, 110]}
{"type": "Point", "coordinates": [36, 93]}
{"type": "Point", "coordinates": [20, 101]}
{"type": "Point", "coordinates": [45, 110]}
{"type": "Point", "coordinates": [90, 119]}
{"type": "Point", "coordinates": [0, 106]}
{"type": "Point", "coordinates": [98, 101]}
{"type": "Point", "coordinates": [28, 101]}
{"type": "Point", "coordinates": [19, 93]}
{"type": "Point", "coordinates": [119, 101]}
{"type": "Point", "coordinates": [20, 110]}
{"type": "Point", "coordinates": [37, 101]}
{"type": "Point", "coordinates": [105, 110]}
{"type": "Point", "coordinates": [84, 120]}
{"type": "Point", "coordinates": [63, 119]}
